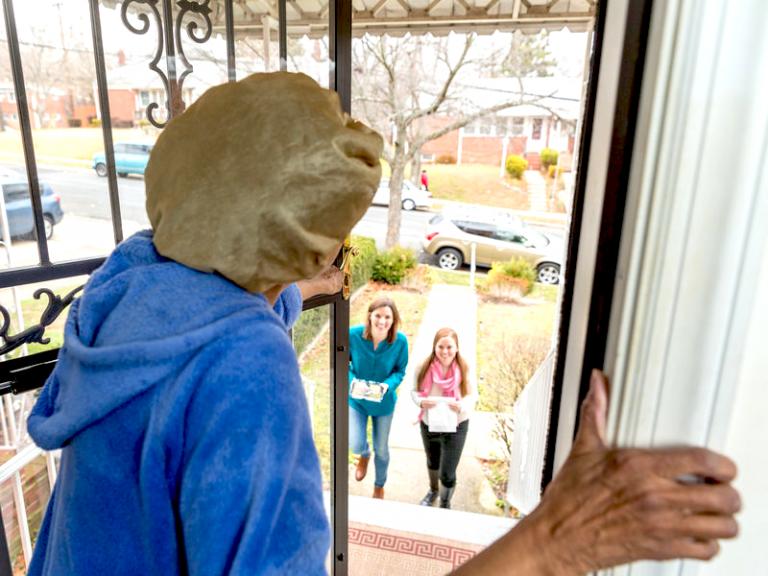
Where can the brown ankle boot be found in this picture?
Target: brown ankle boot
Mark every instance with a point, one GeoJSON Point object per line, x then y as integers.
{"type": "Point", "coordinates": [378, 492]}
{"type": "Point", "coordinates": [361, 469]}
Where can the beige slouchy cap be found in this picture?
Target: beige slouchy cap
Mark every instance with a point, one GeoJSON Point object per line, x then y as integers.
{"type": "Point", "coordinates": [260, 179]}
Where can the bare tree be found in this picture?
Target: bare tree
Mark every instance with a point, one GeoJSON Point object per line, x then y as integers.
{"type": "Point", "coordinates": [399, 84]}
{"type": "Point", "coordinates": [57, 63]}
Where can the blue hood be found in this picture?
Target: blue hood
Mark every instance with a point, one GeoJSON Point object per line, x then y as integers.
{"type": "Point", "coordinates": [187, 446]}
{"type": "Point", "coordinates": [135, 283]}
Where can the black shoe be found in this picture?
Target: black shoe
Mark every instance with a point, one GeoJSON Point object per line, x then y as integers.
{"type": "Point", "coordinates": [430, 498]}
{"type": "Point", "coordinates": [445, 496]}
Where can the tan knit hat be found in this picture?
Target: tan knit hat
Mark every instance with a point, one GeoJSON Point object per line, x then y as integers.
{"type": "Point", "coordinates": [260, 179]}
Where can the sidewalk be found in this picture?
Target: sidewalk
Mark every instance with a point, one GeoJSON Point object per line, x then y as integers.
{"type": "Point", "coordinates": [537, 191]}
{"type": "Point", "coordinates": [456, 307]}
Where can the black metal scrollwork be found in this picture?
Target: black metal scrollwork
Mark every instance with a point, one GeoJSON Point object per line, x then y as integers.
{"type": "Point", "coordinates": [201, 9]}
{"type": "Point", "coordinates": [152, 4]}
{"type": "Point", "coordinates": [195, 8]}
{"type": "Point", "coordinates": [56, 306]}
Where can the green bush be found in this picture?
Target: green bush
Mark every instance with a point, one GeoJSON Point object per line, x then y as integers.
{"type": "Point", "coordinates": [307, 326]}
{"type": "Point", "coordinates": [548, 158]}
{"type": "Point", "coordinates": [391, 265]}
{"type": "Point", "coordinates": [362, 264]}
{"type": "Point", "coordinates": [74, 122]}
{"type": "Point", "coordinates": [512, 279]}
{"type": "Point", "coordinates": [445, 159]}
{"type": "Point", "coordinates": [515, 166]}
{"type": "Point", "coordinates": [555, 172]}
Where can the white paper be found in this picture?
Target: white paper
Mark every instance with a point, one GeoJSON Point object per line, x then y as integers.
{"type": "Point", "coordinates": [442, 418]}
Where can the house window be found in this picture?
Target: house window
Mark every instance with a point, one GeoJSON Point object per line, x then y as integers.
{"type": "Point", "coordinates": [144, 95]}
{"type": "Point", "coordinates": [516, 126]}
{"type": "Point", "coordinates": [11, 97]}
{"type": "Point", "coordinates": [14, 117]}
{"type": "Point", "coordinates": [427, 157]}
{"type": "Point", "coordinates": [481, 127]}
{"type": "Point", "coordinates": [536, 132]}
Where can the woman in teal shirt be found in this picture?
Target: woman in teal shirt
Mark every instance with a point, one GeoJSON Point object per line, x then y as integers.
{"type": "Point", "coordinates": [378, 352]}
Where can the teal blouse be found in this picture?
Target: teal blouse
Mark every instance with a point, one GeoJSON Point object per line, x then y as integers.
{"type": "Point", "coordinates": [385, 364]}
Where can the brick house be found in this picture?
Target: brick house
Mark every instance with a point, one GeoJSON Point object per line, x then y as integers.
{"type": "Point", "coordinates": [59, 107]}
{"type": "Point", "coordinates": [548, 123]}
{"type": "Point", "coordinates": [133, 87]}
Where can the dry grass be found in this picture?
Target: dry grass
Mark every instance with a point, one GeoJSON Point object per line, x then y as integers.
{"type": "Point", "coordinates": [502, 323]}
{"type": "Point", "coordinates": [69, 143]}
{"type": "Point", "coordinates": [473, 184]}
{"type": "Point", "coordinates": [476, 184]}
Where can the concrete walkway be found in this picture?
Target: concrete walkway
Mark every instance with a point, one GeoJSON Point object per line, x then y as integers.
{"type": "Point", "coordinates": [537, 191]}
{"type": "Point", "coordinates": [455, 307]}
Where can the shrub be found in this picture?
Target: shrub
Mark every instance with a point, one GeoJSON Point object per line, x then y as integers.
{"type": "Point", "coordinates": [445, 159]}
{"type": "Point", "coordinates": [305, 329]}
{"type": "Point", "coordinates": [515, 166]}
{"type": "Point", "coordinates": [555, 172]}
{"type": "Point", "coordinates": [95, 122]}
{"type": "Point", "coordinates": [517, 359]}
{"type": "Point", "coordinates": [511, 280]}
{"type": "Point", "coordinates": [548, 158]}
{"type": "Point", "coordinates": [419, 279]}
{"type": "Point", "coordinates": [74, 122]}
{"type": "Point", "coordinates": [391, 265]}
{"type": "Point", "coordinates": [362, 264]}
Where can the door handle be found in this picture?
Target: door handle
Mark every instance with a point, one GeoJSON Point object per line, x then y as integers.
{"type": "Point", "coordinates": [348, 252]}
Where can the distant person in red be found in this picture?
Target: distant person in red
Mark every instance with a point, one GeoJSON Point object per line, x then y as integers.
{"type": "Point", "coordinates": [424, 180]}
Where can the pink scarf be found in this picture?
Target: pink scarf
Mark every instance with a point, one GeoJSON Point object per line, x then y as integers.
{"type": "Point", "coordinates": [449, 384]}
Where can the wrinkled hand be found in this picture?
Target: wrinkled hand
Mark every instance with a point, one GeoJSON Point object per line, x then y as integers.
{"type": "Point", "coordinates": [427, 404]}
{"type": "Point", "coordinates": [609, 507]}
{"type": "Point", "coordinates": [455, 406]}
{"type": "Point", "coordinates": [329, 281]}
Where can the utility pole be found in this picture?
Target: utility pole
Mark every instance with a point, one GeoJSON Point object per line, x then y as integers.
{"type": "Point", "coordinates": [70, 106]}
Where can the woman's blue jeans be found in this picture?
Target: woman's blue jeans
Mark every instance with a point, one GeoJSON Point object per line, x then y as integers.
{"type": "Point", "coordinates": [358, 441]}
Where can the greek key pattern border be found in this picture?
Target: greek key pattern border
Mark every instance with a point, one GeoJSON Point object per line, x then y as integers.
{"type": "Point", "coordinates": [413, 546]}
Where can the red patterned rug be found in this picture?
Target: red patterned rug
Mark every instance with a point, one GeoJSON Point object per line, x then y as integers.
{"type": "Point", "coordinates": [375, 551]}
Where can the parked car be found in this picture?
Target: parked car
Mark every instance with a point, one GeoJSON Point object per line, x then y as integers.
{"type": "Point", "coordinates": [18, 207]}
{"type": "Point", "coordinates": [130, 158]}
{"type": "Point", "coordinates": [10, 174]}
{"type": "Point", "coordinates": [498, 237]}
{"type": "Point", "coordinates": [412, 196]}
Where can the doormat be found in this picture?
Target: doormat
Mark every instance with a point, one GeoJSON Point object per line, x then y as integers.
{"type": "Point", "coordinates": [376, 551]}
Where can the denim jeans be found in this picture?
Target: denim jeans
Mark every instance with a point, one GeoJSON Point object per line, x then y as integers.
{"type": "Point", "coordinates": [358, 441]}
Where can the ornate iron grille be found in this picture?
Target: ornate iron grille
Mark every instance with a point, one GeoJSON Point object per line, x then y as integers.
{"type": "Point", "coordinates": [166, 18]}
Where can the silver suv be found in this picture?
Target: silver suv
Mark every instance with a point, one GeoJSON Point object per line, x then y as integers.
{"type": "Point", "coordinates": [498, 237]}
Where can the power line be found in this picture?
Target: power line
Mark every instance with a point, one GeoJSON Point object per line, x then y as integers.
{"type": "Point", "coordinates": [61, 49]}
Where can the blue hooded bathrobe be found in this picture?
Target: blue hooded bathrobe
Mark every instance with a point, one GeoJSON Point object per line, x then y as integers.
{"type": "Point", "coordinates": [185, 435]}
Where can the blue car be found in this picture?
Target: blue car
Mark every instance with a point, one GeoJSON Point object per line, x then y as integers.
{"type": "Point", "coordinates": [130, 158]}
{"type": "Point", "coordinates": [18, 206]}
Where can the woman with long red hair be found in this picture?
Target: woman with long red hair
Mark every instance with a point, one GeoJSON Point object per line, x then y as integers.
{"type": "Point", "coordinates": [444, 373]}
